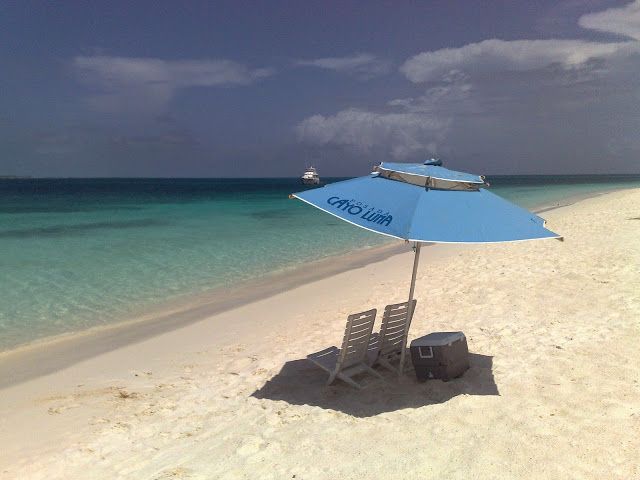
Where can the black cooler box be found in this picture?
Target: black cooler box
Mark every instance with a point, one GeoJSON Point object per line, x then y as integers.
{"type": "Point", "coordinates": [442, 355]}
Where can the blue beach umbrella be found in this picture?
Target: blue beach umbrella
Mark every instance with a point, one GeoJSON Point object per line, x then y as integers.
{"type": "Point", "coordinates": [427, 203]}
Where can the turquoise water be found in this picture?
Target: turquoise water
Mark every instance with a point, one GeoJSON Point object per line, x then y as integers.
{"type": "Point", "coordinates": [80, 253]}
{"type": "Point", "coordinates": [545, 190]}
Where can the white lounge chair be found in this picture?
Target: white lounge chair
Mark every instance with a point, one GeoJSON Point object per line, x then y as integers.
{"type": "Point", "coordinates": [391, 340]}
{"type": "Point", "coordinates": [351, 359]}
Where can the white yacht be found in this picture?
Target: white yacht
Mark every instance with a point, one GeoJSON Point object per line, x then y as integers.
{"type": "Point", "coordinates": [310, 177]}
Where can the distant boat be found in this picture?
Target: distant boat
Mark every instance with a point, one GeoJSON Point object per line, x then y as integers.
{"type": "Point", "coordinates": [310, 177]}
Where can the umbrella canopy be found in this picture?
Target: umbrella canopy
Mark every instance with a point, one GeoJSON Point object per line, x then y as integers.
{"type": "Point", "coordinates": [427, 203]}
{"type": "Point", "coordinates": [455, 210]}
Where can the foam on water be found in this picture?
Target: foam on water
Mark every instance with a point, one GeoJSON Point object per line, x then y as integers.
{"type": "Point", "coordinates": [80, 253]}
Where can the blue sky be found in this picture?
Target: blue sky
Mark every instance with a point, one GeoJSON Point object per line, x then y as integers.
{"type": "Point", "coordinates": [266, 88]}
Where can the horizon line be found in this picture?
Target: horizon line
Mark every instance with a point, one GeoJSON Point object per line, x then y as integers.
{"type": "Point", "coordinates": [31, 177]}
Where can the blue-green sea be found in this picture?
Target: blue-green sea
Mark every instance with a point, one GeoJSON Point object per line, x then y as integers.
{"type": "Point", "coordinates": [77, 253]}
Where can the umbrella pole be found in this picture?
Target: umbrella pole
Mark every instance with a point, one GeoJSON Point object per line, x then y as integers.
{"type": "Point", "coordinates": [416, 260]}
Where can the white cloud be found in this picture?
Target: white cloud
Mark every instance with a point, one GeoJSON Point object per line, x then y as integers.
{"type": "Point", "coordinates": [454, 89]}
{"type": "Point", "coordinates": [522, 106]}
{"type": "Point", "coordinates": [495, 55]}
{"type": "Point", "coordinates": [401, 134]}
{"type": "Point", "coordinates": [622, 21]}
{"type": "Point", "coordinates": [408, 130]}
{"type": "Point", "coordinates": [146, 85]}
{"type": "Point", "coordinates": [363, 65]}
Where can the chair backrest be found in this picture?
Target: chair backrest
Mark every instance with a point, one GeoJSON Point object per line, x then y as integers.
{"type": "Point", "coordinates": [356, 338]}
{"type": "Point", "coordinates": [394, 324]}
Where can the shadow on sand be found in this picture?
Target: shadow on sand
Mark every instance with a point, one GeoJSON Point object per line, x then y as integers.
{"type": "Point", "coordinates": [302, 383]}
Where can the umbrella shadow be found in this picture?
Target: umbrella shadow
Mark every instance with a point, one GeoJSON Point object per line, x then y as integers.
{"type": "Point", "coordinates": [299, 382]}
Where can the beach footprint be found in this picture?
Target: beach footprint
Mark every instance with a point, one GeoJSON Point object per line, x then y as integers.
{"type": "Point", "coordinates": [250, 445]}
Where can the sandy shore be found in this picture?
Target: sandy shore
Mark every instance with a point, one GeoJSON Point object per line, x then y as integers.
{"type": "Point", "coordinates": [553, 391]}
{"type": "Point", "coordinates": [50, 354]}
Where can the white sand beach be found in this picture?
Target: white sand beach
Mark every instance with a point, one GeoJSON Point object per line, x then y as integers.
{"type": "Point", "coordinates": [553, 390]}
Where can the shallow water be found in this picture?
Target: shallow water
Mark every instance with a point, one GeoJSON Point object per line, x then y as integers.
{"type": "Point", "coordinates": [77, 253]}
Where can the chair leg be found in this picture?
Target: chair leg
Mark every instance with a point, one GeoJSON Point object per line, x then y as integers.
{"type": "Point", "coordinates": [332, 377]}
{"type": "Point", "coordinates": [374, 373]}
{"type": "Point", "coordinates": [350, 381]}
{"type": "Point", "coordinates": [386, 364]}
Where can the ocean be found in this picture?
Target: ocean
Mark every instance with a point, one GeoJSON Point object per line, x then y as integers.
{"type": "Point", "coordinates": [78, 253]}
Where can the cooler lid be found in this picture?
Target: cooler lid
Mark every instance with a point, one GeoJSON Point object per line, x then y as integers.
{"type": "Point", "coordinates": [437, 339]}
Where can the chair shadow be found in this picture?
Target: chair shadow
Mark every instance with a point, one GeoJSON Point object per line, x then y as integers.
{"type": "Point", "coordinates": [299, 382]}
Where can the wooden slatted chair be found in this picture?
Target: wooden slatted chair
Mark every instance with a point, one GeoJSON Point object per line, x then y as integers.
{"type": "Point", "coordinates": [390, 341]}
{"type": "Point", "coordinates": [351, 359]}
